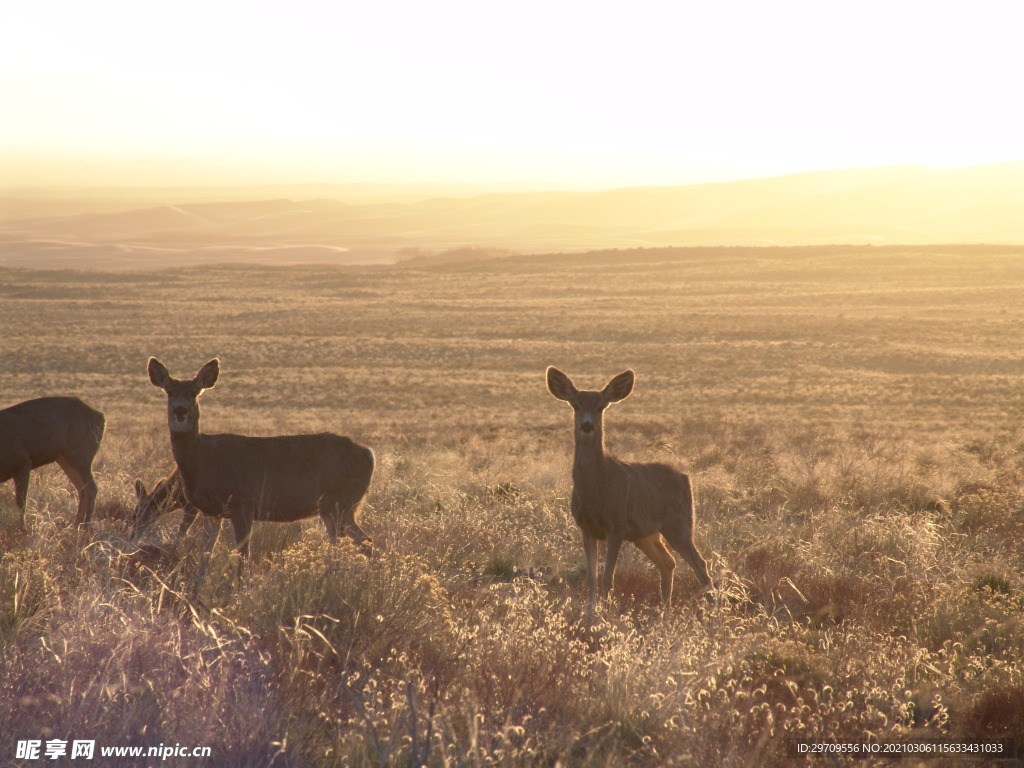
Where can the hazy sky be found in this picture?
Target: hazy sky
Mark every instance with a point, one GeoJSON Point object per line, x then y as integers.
{"type": "Point", "coordinates": [567, 93]}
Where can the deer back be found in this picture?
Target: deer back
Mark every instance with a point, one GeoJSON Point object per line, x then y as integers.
{"type": "Point", "coordinates": [278, 478]}
{"type": "Point", "coordinates": [44, 429]}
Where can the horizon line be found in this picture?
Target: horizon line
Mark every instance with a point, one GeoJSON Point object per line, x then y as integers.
{"type": "Point", "coordinates": [497, 185]}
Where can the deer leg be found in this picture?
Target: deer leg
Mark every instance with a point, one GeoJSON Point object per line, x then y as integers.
{"type": "Point", "coordinates": [243, 535]}
{"type": "Point", "coordinates": [610, 558]}
{"type": "Point", "coordinates": [328, 515]}
{"type": "Point", "coordinates": [188, 518]}
{"type": "Point", "coordinates": [590, 550]}
{"type": "Point", "coordinates": [91, 491]}
{"type": "Point", "coordinates": [209, 542]}
{"type": "Point", "coordinates": [340, 516]}
{"type": "Point", "coordinates": [364, 542]}
{"type": "Point", "coordinates": [21, 476]}
{"type": "Point", "coordinates": [85, 485]}
{"type": "Point", "coordinates": [351, 527]}
{"type": "Point", "coordinates": [654, 547]}
{"type": "Point", "coordinates": [347, 507]}
{"type": "Point", "coordinates": [685, 547]}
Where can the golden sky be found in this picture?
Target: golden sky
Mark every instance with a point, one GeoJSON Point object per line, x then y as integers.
{"type": "Point", "coordinates": [578, 94]}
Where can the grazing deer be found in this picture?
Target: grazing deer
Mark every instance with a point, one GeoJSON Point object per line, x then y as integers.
{"type": "Point", "coordinates": [168, 494]}
{"type": "Point", "coordinates": [51, 429]}
{"type": "Point", "coordinates": [279, 479]}
{"type": "Point", "coordinates": [618, 501]}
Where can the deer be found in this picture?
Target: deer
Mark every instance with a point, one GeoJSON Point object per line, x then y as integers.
{"type": "Point", "coordinates": [167, 495]}
{"type": "Point", "coordinates": [617, 501]}
{"type": "Point", "coordinates": [46, 430]}
{"type": "Point", "coordinates": [284, 478]}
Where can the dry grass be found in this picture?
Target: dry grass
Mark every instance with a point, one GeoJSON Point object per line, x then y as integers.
{"type": "Point", "coordinates": [851, 420]}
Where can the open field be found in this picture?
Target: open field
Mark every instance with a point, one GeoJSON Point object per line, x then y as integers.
{"type": "Point", "coordinates": [851, 418]}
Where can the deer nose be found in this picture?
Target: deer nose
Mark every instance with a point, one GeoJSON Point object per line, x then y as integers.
{"type": "Point", "coordinates": [587, 427]}
{"type": "Point", "coordinates": [180, 413]}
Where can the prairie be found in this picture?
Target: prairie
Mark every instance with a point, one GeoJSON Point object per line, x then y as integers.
{"type": "Point", "coordinates": [851, 418]}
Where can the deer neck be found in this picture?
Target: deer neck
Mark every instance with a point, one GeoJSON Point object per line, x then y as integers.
{"type": "Point", "coordinates": [589, 460]}
{"type": "Point", "coordinates": [187, 450]}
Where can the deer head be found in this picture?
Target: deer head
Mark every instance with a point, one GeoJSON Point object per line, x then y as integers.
{"type": "Point", "coordinates": [183, 396]}
{"type": "Point", "coordinates": [589, 405]}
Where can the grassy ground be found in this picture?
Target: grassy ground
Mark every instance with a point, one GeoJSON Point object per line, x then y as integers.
{"type": "Point", "coordinates": [851, 419]}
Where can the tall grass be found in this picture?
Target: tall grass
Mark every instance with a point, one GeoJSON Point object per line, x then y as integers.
{"type": "Point", "coordinates": [842, 620]}
{"type": "Point", "coordinates": [859, 496]}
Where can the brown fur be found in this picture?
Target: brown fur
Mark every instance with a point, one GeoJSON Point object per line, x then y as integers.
{"type": "Point", "coordinates": [279, 479]}
{"type": "Point", "coordinates": [617, 501]}
{"type": "Point", "coordinates": [51, 429]}
{"type": "Point", "coordinates": [168, 494]}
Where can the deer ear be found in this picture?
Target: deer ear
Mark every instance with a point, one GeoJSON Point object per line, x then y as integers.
{"type": "Point", "coordinates": [207, 375]}
{"type": "Point", "coordinates": [140, 490]}
{"type": "Point", "coordinates": [559, 385]}
{"type": "Point", "coordinates": [158, 373]}
{"type": "Point", "coordinates": [620, 387]}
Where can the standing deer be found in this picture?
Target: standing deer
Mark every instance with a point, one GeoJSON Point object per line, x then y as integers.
{"type": "Point", "coordinates": [279, 479]}
{"type": "Point", "coordinates": [618, 501]}
{"type": "Point", "coordinates": [46, 430]}
{"type": "Point", "coordinates": [168, 494]}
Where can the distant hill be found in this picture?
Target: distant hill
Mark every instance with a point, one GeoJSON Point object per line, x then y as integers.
{"type": "Point", "coordinates": [134, 228]}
